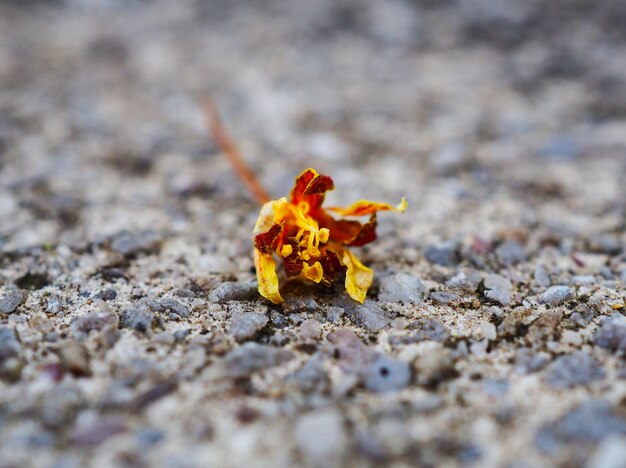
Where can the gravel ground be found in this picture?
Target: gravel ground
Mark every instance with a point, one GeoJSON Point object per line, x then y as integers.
{"type": "Point", "coordinates": [131, 333]}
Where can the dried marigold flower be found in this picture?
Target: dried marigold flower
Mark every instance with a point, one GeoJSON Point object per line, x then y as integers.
{"type": "Point", "coordinates": [310, 241]}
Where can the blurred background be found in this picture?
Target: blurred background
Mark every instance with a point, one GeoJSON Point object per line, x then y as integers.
{"type": "Point", "coordinates": [502, 121]}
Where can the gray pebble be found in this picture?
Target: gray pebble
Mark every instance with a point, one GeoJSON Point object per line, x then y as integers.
{"type": "Point", "coordinates": [467, 281]}
{"type": "Point", "coordinates": [556, 295]}
{"type": "Point", "coordinates": [612, 334]}
{"type": "Point", "coordinates": [9, 345]}
{"type": "Point", "coordinates": [94, 321]}
{"type": "Point", "coordinates": [622, 275]}
{"type": "Point", "coordinates": [11, 300]}
{"type": "Point", "coordinates": [311, 377]}
{"type": "Point", "coordinates": [573, 370]}
{"type": "Point", "coordinates": [541, 277]}
{"type": "Point", "coordinates": [252, 357]}
{"type": "Point", "coordinates": [445, 254]}
{"type": "Point", "coordinates": [445, 298]}
{"type": "Point", "coordinates": [434, 367]}
{"type": "Point", "coordinates": [334, 314]}
{"type": "Point", "coordinates": [321, 437]}
{"type": "Point", "coordinates": [244, 325]}
{"type": "Point", "coordinates": [352, 354]}
{"type": "Point", "coordinates": [498, 289]}
{"type": "Point", "coordinates": [234, 291]}
{"type": "Point", "coordinates": [368, 315]}
{"type": "Point", "coordinates": [138, 318]}
{"type": "Point", "coordinates": [310, 330]}
{"type": "Point", "coordinates": [132, 243]}
{"type": "Point", "coordinates": [278, 319]}
{"type": "Point", "coordinates": [172, 305]}
{"type": "Point", "coordinates": [180, 335]}
{"type": "Point", "coordinates": [385, 374]}
{"type": "Point", "coordinates": [401, 287]}
{"type": "Point", "coordinates": [97, 432]}
{"type": "Point", "coordinates": [74, 358]}
{"type": "Point", "coordinates": [511, 253]}
{"type": "Point", "coordinates": [106, 295]}
{"type": "Point", "coordinates": [426, 328]}
{"type": "Point", "coordinates": [583, 280]}
{"type": "Point", "coordinates": [588, 423]}
{"type": "Point", "coordinates": [527, 361]}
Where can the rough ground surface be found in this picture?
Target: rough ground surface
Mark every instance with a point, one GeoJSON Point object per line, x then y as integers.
{"type": "Point", "coordinates": [130, 330]}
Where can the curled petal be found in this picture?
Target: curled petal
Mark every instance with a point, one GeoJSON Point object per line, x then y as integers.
{"type": "Point", "coordinates": [365, 207]}
{"type": "Point", "coordinates": [272, 212]}
{"type": "Point", "coordinates": [366, 235]}
{"type": "Point", "coordinates": [266, 277]}
{"type": "Point", "coordinates": [314, 273]}
{"type": "Point", "coordinates": [311, 187]}
{"type": "Point", "coordinates": [358, 277]}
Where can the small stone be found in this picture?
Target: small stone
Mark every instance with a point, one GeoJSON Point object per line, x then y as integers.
{"type": "Point", "coordinates": [180, 335]}
{"type": "Point", "coordinates": [582, 315]}
{"type": "Point", "coordinates": [610, 453]}
{"type": "Point", "coordinates": [496, 387]}
{"type": "Point", "coordinates": [445, 254]}
{"type": "Point", "coordinates": [106, 295]}
{"type": "Point", "coordinates": [510, 253]}
{"type": "Point", "coordinates": [434, 367]}
{"type": "Point", "coordinates": [622, 276]}
{"type": "Point", "coordinates": [132, 243]}
{"type": "Point", "coordinates": [138, 318]}
{"type": "Point", "coordinates": [353, 355]}
{"type": "Point", "coordinates": [278, 319]}
{"type": "Point", "coordinates": [74, 358]}
{"type": "Point", "coordinates": [573, 370]}
{"type": "Point", "coordinates": [245, 325]}
{"type": "Point", "coordinates": [488, 330]}
{"type": "Point", "coordinates": [467, 281]}
{"type": "Point", "coordinates": [587, 423]}
{"type": "Point", "coordinates": [498, 289]}
{"type": "Point", "coordinates": [9, 345]}
{"type": "Point", "coordinates": [556, 295]}
{"type": "Point", "coordinates": [385, 374]}
{"type": "Point", "coordinates": [321, 437]}
{"type": "Point", "coordinates": [311, 377]}
{"type": "Point", "coordinates": [541, 277]}
{"type": "Point", "coordinates": [445, 298]}
{"type": "Point", "coordinates": [164, 338]}
{"type": "Point", "coordinates": [233, 291]}
{"type": "Point", "coordinates": [97, 432]}
{"type": "Point", "coordinates": [612, 334]}
{"type": "Point", "coordinates": [95, 321]}
{"type": "Point", "coordinates": [545, 327]}
{"type": "Point", "coordinates": [334, 314]}
{"type": "Point", "coordinates": [252, 357]}
{"type": "Point", "coordinates": [368, 315]}
{"type": "Point", "coordinates": [527, 361]}
{"type": "Point", "coordinates": [175, 307]}
{"type": "Point", "coordinates": [11, 300]}
{"type": "Point", "coordinates": [310, 330]}
{"type": "Point", "coordinates": [513, 322]}
{"type": "Point", "coordinates": [428, 329]}
{"type": "Point", "coordinates": [53, 304]}
{"type": "Point", "coordinates": [401, 287]}
{"type": "Point", "coordinates": [583, 280]}
{"type": "Point", "coordinates": [399, 323]}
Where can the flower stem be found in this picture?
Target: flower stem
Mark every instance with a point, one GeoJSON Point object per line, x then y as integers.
{"type": "Point", "coordinates": [228, 147]}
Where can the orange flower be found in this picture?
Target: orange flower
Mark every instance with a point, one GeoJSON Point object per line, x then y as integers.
{"type": "Point", "coordinates": [310, 241]}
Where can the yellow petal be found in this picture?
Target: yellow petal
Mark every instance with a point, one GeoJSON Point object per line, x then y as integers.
{"type": "Point", "coordinates": [266, 277]}
{"type": "Point", "coordinates": [272, 212]}
{"type": "Point", "coordinates": [314, 273]}
{"type": "Point", "coordinates": [365, 207]}
{"type": "Point", "coordinates": [358, 277]}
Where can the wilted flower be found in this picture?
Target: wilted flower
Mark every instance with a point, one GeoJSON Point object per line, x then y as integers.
{"type": "Point", "coordinates": [310, 241]}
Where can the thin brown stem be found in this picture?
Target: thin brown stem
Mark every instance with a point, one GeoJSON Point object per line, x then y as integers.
{"type": "Point", "coordinates": [228, 147]}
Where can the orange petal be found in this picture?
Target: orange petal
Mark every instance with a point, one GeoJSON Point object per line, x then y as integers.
{"type": "Point", "coordinates": [266, 277]}
{"type": "Point", "coordinates": [311, 187]}
{"type": "Point", "coordinates": [358, 277]}
{"type": "Point", "coordinates": [365, 207]}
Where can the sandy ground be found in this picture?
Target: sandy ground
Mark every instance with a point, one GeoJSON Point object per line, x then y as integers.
{"type": "Point", "coordinates": [131, 333]}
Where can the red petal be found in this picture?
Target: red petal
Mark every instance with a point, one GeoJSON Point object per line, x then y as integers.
{"type": "Point", "coordinates": [311, 187]}
{"type": "Point", "coordinates": [331, 266]}
{"type": "Point", "coordinates": [366, 235]}
{"type": "Point", "coordinates": [267, 241]}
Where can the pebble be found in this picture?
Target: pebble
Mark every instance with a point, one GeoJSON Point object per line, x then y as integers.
{"type": "Point", "coordinates": [541, 277]}
{"type": "Point", "coordinates": [385, 374]}
{"type": "Point", "coordinates": [498, 289]}
{"type": "Point", "coordinates": [545, 327]}
{"type": "Point", "coordinates": [622, 276]}
{"type": "Point", "coordinates": [610, 453]}
{"type": "Point", "coordinates": [427, 329]}
{"type": "Point", "coordinates": [352, 354]}
{"type": "Point", "coordinates": [510, 253]}
{"type": "Point", "coordinates": [132, 243]}
{"type": "Point", "coordinates": [245, 325]}
{"type": "Point", "coordinates": [467, 281]}
{"type": "Point", "coordinates": [488, 330]}
{"type": "Point", "coordinates": [74, 358]}
{"type": "Point", "coordinates": [252, 357]}
{"type": "Point", "coordinates": [401, 287]}
{"type": "Point", "coordinates": [106, 295]}
{"type": "Point", "coordinates": [233, 291]}
{"type": "Point", "coordinates": [334, 314]}
{"type": "Point", "coordinates": [445, 254]}
{"type": "Point", "coordinates": [368, 315]}
{"type": "Point", "coordinates": [434, 367]}
{"type": "Point", "coordinates": [138, 318]}
{"type": "Point", "coordinates": [556, 295]}
{"type": "Point", "coordinates": [572, 370]}
{"type": "Point", "coordinates": [612, 334]}
{"type": "Point", "coordinates": [311, 377]}
{"type": "Point", "coordinates": [527, 361]}
{"type": "Point", "coordinates": [321, 437]}
{"type": "Point", "coordinates": [9, 345]}
{"type": "Point", "coordinates": [96, 432]}
{"type": "Point", "coordinates": [310, 330]}
{"type": "Point", "coordinates": [583, 280]}
{"type": "Point", "coordinates": [175, 307]}
{"type": "Point", "coordinates": [587, 423]}
{"type": "Point", "coordinates": [11, 300]}
{"type": "Point", "coordinates": [95, 321]}
{"type": "Point", "coordinates": [445, 298]}
{"type": "Point", "coordinates": [582, 315]}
